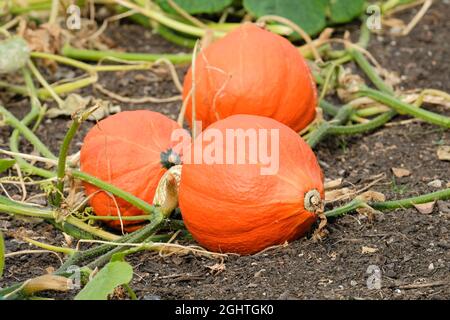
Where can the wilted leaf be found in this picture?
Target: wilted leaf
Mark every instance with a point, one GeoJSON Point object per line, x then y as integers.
{"type": "Point", "coordinates": [443, 153]}
{"type": "Point", "coordinates": [332, 184]}
{"type": "Point", "coordinates": [401, 172]}
{"type": "Point", "coordinates": [74, 102]}
{"type": "Point", "coordinates": [425, 208]}
{"type": "Point", "coordinates": [46, 38]}
{"type": "Point", "coordinates": [2, 254]}
{"type": "Point", "coordinates": [106, 280]}
{"type": "Point", "coordinates": [47, 282]}
{"type": "Point", "coordinates": [342, 11]}
{"type": "Point", "coordinates": [14, 53]}
{"type": "Point", "coordinates": [368, 250]}
{"type": "Point", "coordinates": [339, 194]}
{"type": "Point", "coordinates": [5, 164]}
{"type": "Point", "coordinates": [310, 15]}
{"type": "Point", "coordinates": [370, 196]}
{"type": "Point", "coordinates": [196, 6]}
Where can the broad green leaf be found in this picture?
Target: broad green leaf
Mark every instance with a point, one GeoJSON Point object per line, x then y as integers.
{"type": "Point", "coordinates": [14, 53]}
{"type": "Point", "coordinates": [5, 164]}
{"type": "Point", "coordinates": [342, 11]}
{"type": "Point", "coordinates": [196, 6]}
{"type": "Point", "coordinates": [2, 254]}
{"type": "Point", "coordinates": [106, 280]}
{"type": "Point", "coordinates": [310, 15]}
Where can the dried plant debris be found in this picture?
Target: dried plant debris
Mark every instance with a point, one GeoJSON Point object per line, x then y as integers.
{"type": "Point", "coordinates": [74, 102]}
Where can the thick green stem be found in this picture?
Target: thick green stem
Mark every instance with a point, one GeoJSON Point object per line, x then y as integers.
{"type": "Point", "coordinates": [96, 55]}
{"type": "Point", "coordinates": [324, 128]}
{"type": "Point", "coordinates": [14, 139]}
{"type": "Point", "coordinates": [168, 22]}
{"type": "Point", "coordinates": [389, 205]}
{"type": "Point", "coordinates": [61, 170]}
{"type": "Point", "coordinates": [150, 229]}
{"type": "Point", "coordinates": [410, 202]}
{"type": "Point", "coordinates": [163, 31]}
{"type": "Point", "coordinates": [90, 254]}
{"type": "Point", "coordinates": [405, 108]}
{"type": "Point", "coordinates": [135, 201]}
{"type": "Point", "coordinates": [11, 207]}
{"type": "Point", "coordinates": [370, 72]}
{"type": "Point", "coordinates": [349, 207]}
{"type": "Point", "coordinates": [26, 132]}
{"type": "Point", "coordinates": [363, 127]}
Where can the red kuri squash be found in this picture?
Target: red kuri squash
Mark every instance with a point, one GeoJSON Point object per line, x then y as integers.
{"type": "Point", "coordinates": [128, 150]}
{"type": "Point", "coordinates": [232, 205]}
{"type": "Point", "coordinates": [252, 71]}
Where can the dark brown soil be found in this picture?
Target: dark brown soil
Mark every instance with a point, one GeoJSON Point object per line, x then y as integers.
{"type": "Point", "coordinates": [412, 249]}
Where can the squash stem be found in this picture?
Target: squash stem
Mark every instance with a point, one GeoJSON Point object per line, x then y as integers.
{"type": "Point", "coordinates": [97, 55]}
{"type": "Point", "coordinates": [370, 72]}
{"type": "Point", "coordinates": [14, 138]}
{"type": "Point", "coordinates": [61, 169]}
{"type": "Point", "coordinates": [135, 201]}
{"type": "Point", "coordinates": [26, 132]}
{"type": "Point", "coordinates": [363, 127]}
{"type": "Point", "coordinates": [11, 207]}
{"type": "Point", "coordinates": [323, 130]}
{"type": "Point", "coordinates": [405, 108]}
{"type": "Point", "coordinates": [389, 205]}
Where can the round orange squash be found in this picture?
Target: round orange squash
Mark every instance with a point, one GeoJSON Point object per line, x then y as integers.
{"type": "Point", "coordinates": [128, 150]}
{"type": "Point", "coordinates": [231, 206]}
{"type": "Point", "coordinates": [252, 71]}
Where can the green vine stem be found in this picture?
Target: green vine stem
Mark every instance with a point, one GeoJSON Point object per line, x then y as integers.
{"type": "Point", "coordinates": [10, 119]}
{"type": "Point", "coordinates": [97, 55]}
{"type": "Point", "coordinates": [163, 31]}
{"type": "Point", "coordinates": [167, 21]}
{"type": "Point", "coordinates": [405, 108]}
{"type": "Point", "coordinates": [11, 207]}
{"type": "Point", "coordinates": [64, 150]}
{"type": "Point", "coordinates": [363, 127]}
{"type": "Point", "coordinates": [323, 130]}
{"type": "Point", "coordinates": [106, 249]}
{"type": "Point", "coordinates": [389, 205]}
{"type": "Point", "coordinates": [14, 139]}
{"type": "Point", "coordinates": [135, 201]}
{"type": "Point", "coordinates": [150, 229]}
{"type": "Point", "coordinates": [370, 72]}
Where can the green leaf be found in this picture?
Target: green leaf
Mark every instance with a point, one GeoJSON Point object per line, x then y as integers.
{"type": "Point", "coordinates": [342, 11]}
{"type": "Point", "coordinates": [5, 164]}
{"type": "Point", "coordinates": [196, 6]}
{"type": "Point", "coordinates": [2, 254]}
{"type": "Point", "coordinates": [106, 280]}
{"type": "Point", "coordinates": [310, 15]}
{"type": "Point", "coordinates": [14, 53]}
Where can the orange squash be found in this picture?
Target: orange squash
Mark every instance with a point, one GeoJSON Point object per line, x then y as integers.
{"type": "Point", "coordinates": [232, 207]}
{"type": "Point", "coordinates": [252, 71]}
{"type": "Point", "coordinates": [130, 151]}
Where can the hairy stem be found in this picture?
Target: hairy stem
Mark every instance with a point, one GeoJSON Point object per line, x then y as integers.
{"type": "Point", "coordinates": [405, 108]}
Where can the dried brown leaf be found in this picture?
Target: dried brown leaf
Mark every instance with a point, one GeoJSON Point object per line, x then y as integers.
{"type": "Point", "coordinates": [339, 194]}
{"type": "Point", "coordinates": [443, 153]}
{"type": "Point", "coordinates": [368, 250]}
{"type": "Point", "coordinates": [425, 208]}
{"type": "Point", "coordinates": [333, 184]}
{"type": "Point", "coordinates": [401, 172]}
{"type": "Point", "coordinates": [370, 196]}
